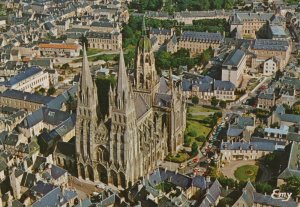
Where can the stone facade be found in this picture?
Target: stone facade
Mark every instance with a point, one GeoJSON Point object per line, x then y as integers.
{"type": "Point", "coordinates": [105, 40]}
{"type": "Point", "coordinates": [146, 122]}
{"type": "Point", "coordinates": [197, 42]}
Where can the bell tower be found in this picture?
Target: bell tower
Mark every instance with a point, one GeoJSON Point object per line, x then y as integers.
{"type": "Point", "coordinates": [145, 73]}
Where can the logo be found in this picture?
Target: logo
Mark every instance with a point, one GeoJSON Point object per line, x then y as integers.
{"type": "Point", "coordinates": [281, 195]}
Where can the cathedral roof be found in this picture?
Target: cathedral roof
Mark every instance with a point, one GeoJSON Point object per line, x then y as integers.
{"type": "Point", "coordinates": [141, 106]}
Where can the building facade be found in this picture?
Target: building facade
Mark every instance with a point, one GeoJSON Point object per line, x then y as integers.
{"type": "Point", "coordinates": [234, 67]}
{"type": "Point", "coordinates": [105, 40]}
{"type": "Point", "coordinates": [28, 80]}
{"type": "Point", "coordinates": [59, 49]}
{"type": "Point", "coordinates": [146, 122]}
{"type": "Point", "coordinates": [197, 42]}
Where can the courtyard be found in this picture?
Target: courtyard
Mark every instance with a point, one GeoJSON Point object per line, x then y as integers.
{"type": "Point", "coordinates": [246, 172]}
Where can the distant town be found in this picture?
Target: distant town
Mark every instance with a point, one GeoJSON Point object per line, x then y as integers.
{"type": "Point", "coordinates": [150, 103]}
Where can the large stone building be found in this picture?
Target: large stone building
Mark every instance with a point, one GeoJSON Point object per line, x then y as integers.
{"type": "Point", "coordinates": [29, 80]}
{"type": "Point", "coordinates": [146, 121]}
{"type": "Point", "coordinates": [234, 67]}
{"type": "Point", "coordinates": [197, 42]}
{"type": "Point", "coordinates": [105, 40]}
{"type": "Point", "coordinates": [264, 49]}
{"type": "Point", "coordinates": [247, 25]}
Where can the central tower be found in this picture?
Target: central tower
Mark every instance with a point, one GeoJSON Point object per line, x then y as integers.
{"type": "Point", "coordinates": [146, 81]}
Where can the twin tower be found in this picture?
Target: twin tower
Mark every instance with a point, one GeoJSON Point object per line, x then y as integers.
{"type": "Point", "coordinates": [146, 122]}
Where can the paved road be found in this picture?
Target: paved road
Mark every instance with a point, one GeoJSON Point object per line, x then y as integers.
{"type": "Point", "coordinates": [62, 60]}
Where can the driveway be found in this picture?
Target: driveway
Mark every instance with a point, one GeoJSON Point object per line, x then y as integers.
{"type": "Point", "coordinates": [229, 168]}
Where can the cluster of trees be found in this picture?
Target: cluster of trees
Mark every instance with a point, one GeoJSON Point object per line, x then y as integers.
{"type": "Point", "coordinates": [181, 5]}
{"type": "Point", "coordinates": [143, 5]}
{"type": "Point", "coordinates": [193, 5]}
{"type": "Point", "coordinates": [210, 25]}
{"type": "Point", "coordinates": [165, 60]}
{"type": "Point", "coordinates": [214, 102]}
{"type": "Point", "coordinates": [292, 185]}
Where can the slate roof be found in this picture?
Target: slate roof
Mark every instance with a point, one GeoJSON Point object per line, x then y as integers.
{"type": "Point", "coordinates": [200, 36]}
{"type": "Point", "coordinates": [42, 188]}
{"type": "Point", "coordinates": [234, 58]}
{"type": "Point", "coordinates": [141, 107]}
{"type": "Point", "coordinates": [224, 85]}
{"type": "Point", "coordinates": [261, 146]}
{"type": "Point", "coordinates": [267, 96]}
{"type": "Point", "coordinates": [50, 116]}
{"type": "Point", "coordinates": [53, 198]}
{"type": "Point", "coordinates": [66, 148]}
{"type": "Point", "coordinates": [290, 118]}
{"type": "Point", "coordinates": [239, 18]}
{"type": "Point", "coordinates": [58, 101]}
{"type": "Point", "coordinates": [293, 168]}
{"type": "Point", "coordinates": [234, 131]}
{"type": "Point", "coordinates": [268, 44]}
{"type": "Point", "coordinates": [57, 172]}
{"type": "Point", "coordinates": [160, 31]}
{"type": "Point", "coordinates": [30, 97]}
{"type": "Point", "coordinates": [23, 75]}
{"type": "Point", "coordinates": [282, 130]}
{"type": "Point", "coordinates": [269, 201]}
{"type": "Point", "coordinates": [212, 195]}
{"type": "Point", "coordinates": [100, 35]}
{"type": "Point", "coordinates": [183, 181]}
{"type": "Point", "coordinates": [28, 180]}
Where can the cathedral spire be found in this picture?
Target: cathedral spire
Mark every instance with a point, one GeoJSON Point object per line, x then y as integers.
{"type": "Point", "coordinates": [123, 85]}
{"type": "Point", "coordinates": [86, 78]}
{"type": "Point", "coordinates": [143, 26]}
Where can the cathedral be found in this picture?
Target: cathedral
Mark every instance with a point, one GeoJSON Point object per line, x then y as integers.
{"type": "Point", "coordinates": [146, 122]}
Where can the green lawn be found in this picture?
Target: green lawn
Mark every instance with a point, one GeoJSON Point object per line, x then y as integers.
{"type": "Point", "coordinates": [246, 172]}
{"type": "Point", "coordinates": [104, 57]}
{"type": "Point", "coordinates": [195, 109]}
{"type": "Point", "coordinates": [178, 157]}
{"type": "Point", "coordinates": [93, 51]}
{"type": "Point", "coordinates": [196, 130]}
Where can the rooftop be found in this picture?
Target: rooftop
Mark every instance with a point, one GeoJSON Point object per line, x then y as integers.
{"type": "Point", "coordinates": [30, 97]}
{"type": "Point", "coordinates": [59, 46]}
{"type": "Point", "coordinates": [201, 36]}
{"type": "Point", "coordinates": [234, 58]}
{"type": "Point", "coordinates": [22, 76]}
{"type": "Point", "coordinates": [268, 44]}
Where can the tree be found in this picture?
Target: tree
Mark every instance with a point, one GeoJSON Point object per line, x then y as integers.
{"type": "Point", "coordinates": [51, 91]}
{"type": "Point", "coordinates": [194, 149]}
{"type": "Point", "coordinates": [264, 188]}
{"type": "Point", "coordinates": [222, 104]}
{"type": "Point", "coordinates": [217, 4]}
{"type": "Point", "coordinates": [292, 185]}
{"type": "Point", "coordinates": [195, 99]}
{"type": "Point", "coordinates": [84, 41]}
{"type": "Point", "coordinates": [228, 4]}
{"type": "Point", "coordinates": [42, 90]}
{"type": "Point", "coordinates": [214, 101]}
{"type": "Point", "coordinates": [65, 66]}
